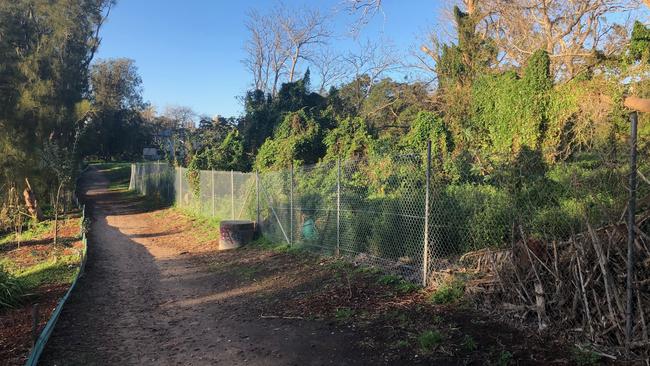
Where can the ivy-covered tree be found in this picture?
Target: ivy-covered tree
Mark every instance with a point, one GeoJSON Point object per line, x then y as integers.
{"type": "Point", "coordinates": [298, 139]}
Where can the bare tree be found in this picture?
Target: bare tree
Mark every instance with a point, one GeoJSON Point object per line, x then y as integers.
{"type": "Point", "coordinates": [303, 28]}
{"type": "Point", "coordinates": [183, 117]}
{"type": "Point", "coordinates": [257, 48]}
{"type": "Point", "coordinates": [329, 67]}
{"type": "Point", "coordinates": [365, 10]}
{"type": "Point", "coordinates": [279, 51]}
{"type": "Point", "coordinates": [571, 31]}
{"type": "Point", "coordinates": [369, 65]}
{"type": "Point", "coordinates": [373, 59]}
{"type": "Point", "coordinates": [267, 49]}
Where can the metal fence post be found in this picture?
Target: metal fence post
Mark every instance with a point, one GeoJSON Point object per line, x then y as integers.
{"type": "Point", "coordinates": [232, 193]}
{"type": "Point", "coordinates": [213, 198]}
{"type": "Point", "coordinates": [631, 223]}
{"type": "Point", "coordinates": [425, 251]}
{"type": "Point", "coordinates": [338, 207]}
{"type": "Point", "coordinates": [257, 192]}
{"type": "Point", "coordinates": [180, 186]}
{"type": "Point", "coordinates": [291, 205]}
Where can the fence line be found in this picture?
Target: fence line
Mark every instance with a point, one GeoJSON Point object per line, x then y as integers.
{"type": "Point", "coordinates": [316, 207]}
{"type": "Point", "coordinates": [390, 211]}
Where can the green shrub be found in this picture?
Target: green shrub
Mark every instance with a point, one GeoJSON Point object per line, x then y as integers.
{"type": "Point", "coordinates": [11, 290]}
{"type": "Point", "coordinates": [469, 344]}
{"type": "Point", "coordinates": [430, 339]}
{"type": "Point", "coordinates": [343, 313]}
{"type": "Point", "coordinates": [401, 285]}
{"type": "Point", "coordinates": [504, 359]}
{"type": "Point", "coordinates": [449, 292]}
{"type": "Point", "coordinates": [470, 217]}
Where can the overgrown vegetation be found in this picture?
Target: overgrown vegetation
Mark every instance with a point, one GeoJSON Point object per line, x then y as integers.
{"type": "Point", "coordinates": [12, 290]}
{"type": "Point", "coordinates": [449, 292]}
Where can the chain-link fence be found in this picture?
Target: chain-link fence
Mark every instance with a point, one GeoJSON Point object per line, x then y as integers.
{"type": "Point", "coordinates": [378, 211]}
{"type": "Point", "coordinates": [546, 236]}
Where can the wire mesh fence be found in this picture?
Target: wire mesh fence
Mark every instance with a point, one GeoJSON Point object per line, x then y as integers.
{"type": "Point", "coordinates": [548, 234]}
{"type": "Point", "coordinates": [402, 213]}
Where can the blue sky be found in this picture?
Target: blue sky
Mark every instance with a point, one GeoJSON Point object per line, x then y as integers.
{"type": "Point", "coordinates": [189, 53]}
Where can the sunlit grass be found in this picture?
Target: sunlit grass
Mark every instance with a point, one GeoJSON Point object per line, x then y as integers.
{"type": "Point", "coordinates": [56, 270]}
{"type": "Point", "coordinates": [33, 232]}
{"type": "Point", "coordinates": [118, 174]}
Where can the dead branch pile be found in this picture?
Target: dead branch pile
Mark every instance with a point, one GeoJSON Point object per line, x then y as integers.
{"type": "Point", "coordinates": [576, 286]}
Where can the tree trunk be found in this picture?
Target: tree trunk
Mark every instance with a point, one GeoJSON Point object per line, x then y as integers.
{"type": "Point", "coordinates": [294, 61]}
{"type": "Point", "coordinates": [56, 215]}
{"type": "Point", "coordinates": [32, 203]}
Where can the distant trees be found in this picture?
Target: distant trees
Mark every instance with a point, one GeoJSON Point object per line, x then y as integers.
{"type": "Point", "coordinates": [115, 127]}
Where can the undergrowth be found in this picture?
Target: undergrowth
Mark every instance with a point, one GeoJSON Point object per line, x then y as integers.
{"type": "Point", "coordinates": [12, 290]}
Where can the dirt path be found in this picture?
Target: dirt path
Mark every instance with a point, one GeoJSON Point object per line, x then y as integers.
{"type": "Point", "coordinates": [147, 298]}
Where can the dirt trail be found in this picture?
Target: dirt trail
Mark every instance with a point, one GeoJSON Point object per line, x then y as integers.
{"type": "Point", "coordinates": [147, 299]}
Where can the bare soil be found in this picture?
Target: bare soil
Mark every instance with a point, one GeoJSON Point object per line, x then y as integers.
{"type": "Point", "coordinates": [16, 335]}
{"type": "Point", "coordinates": [16, 325]}
{"type": "Point", "coordinates": [156, 291]}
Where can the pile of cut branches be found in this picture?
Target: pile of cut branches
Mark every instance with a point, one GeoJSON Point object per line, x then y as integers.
{"type": "Point", "coordinates": [576, 286]}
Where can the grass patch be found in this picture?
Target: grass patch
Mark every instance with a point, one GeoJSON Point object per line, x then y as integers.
{"type": "Point", "coordinates": [429, 340]}
{"type": "Point", "coordinates": [35, 230]}
{"type": "Point", "coordinates": [584, 357]}
{"type": "Point", "coordinates": [343, 314]}
{"type": "Point", "coordinates": [469, 344]}
{"type": "Point", "coordinates": [400, 284]}
{"type": "Point", "coordinates": [12, 290]}
{"type": "Point", "coordinates": [56, 270]}
{"type": "Point", "coordinates": [449, 292]}
{"type": "Point", "coordinates": [118, 174]}
{"type": "Point", "coordinates": [207, 227]}
{"type": "Point", "coordinates": [504, 358]}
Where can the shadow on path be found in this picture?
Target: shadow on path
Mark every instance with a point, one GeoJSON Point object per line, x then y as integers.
{"type": "Point", "coordinates": [147, 299]}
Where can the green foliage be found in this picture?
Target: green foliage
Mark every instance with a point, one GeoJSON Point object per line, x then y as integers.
{"type": "Point", "coordinates": [584, 357]}
{"type": "Point", "coordinates": [430, 340]}
{"type": "Point", "coordinates": [350, 139]}
{"type": "Point", "coordinates": [469, 344]}
{"type": "Point", "coordinates": [639, 48]}
{"type": "Point", "coordinates": [449, 292]}
{"type": "Point", "coordinates": [116, 129]}
{"type": "Point", "coordinates": [472, 216]}
{"type": "Point", "coordinates": [193, 174]}
{"type": "Point", "coordinates": [343, 314]}
{"type": "Point", "coordinates": [45, 48]}
{"type": "Point", "coordinates": [504, 359]}
{"type": "Point", "coordinates": [511, 112]}
{"type": "Point", "coordinates": [11, 290]}
{"type": "Point", "coordinates": [459, 64]}
{"type": "Point", "coordinates": [400, 284]}
{"type": "Point", "coordinates": [298, 139]}
{"type": "Point", "coordinates": [264, 113]}
{"type": "Point", "coordinates": [427, 126]}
